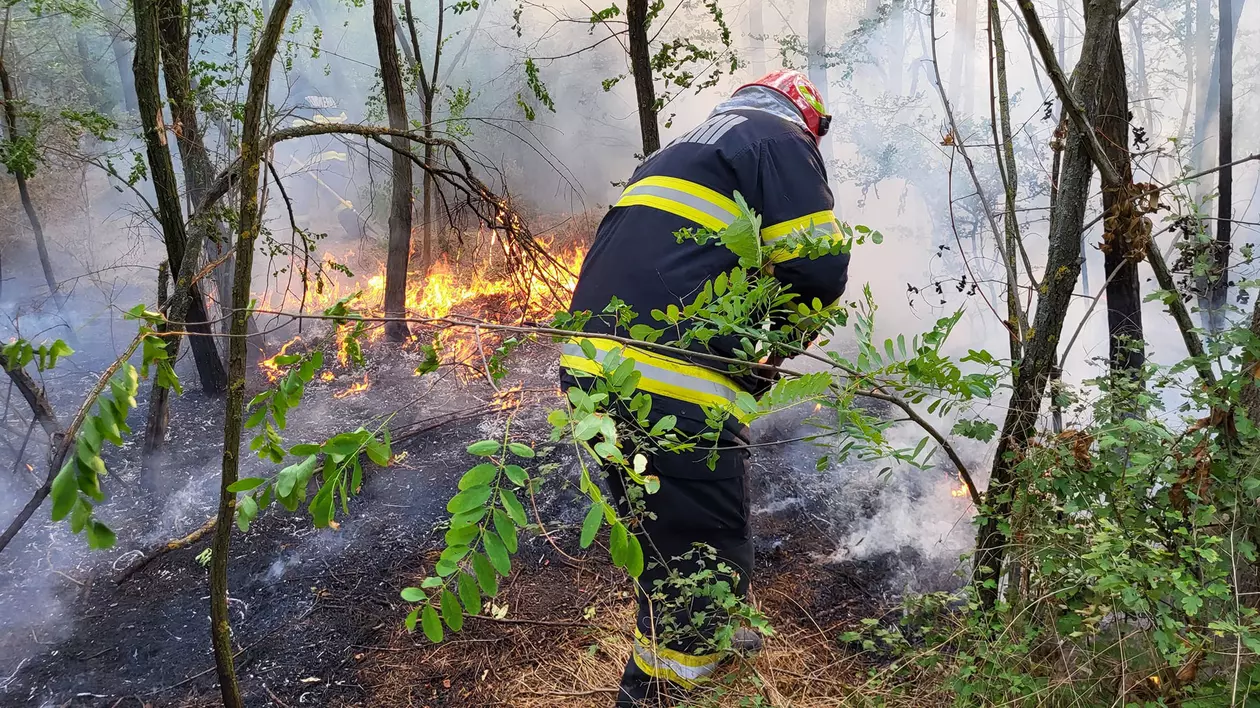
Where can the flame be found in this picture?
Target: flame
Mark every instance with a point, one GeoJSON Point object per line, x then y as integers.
{"type": "Point", "coordinates": [356, 387]}
{"type": "Point", "coordinates": [478, 290]}
{"type": "Point", "coordinates": [817, 407]}
{"type": "Point", "coordinates": [961, 491]}
{"type": "Point", "coordinates": [508, 398]}
{"type": "Point", "coordinates": [269, 367]}
{"type": "Point", "coordinates": [327, 376]}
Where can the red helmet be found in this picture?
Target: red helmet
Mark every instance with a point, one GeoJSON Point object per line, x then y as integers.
{"type": "Point", "coordinates": [802, 93]}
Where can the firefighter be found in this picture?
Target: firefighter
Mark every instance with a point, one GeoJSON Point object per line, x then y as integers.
{"type": "Point", "coordinates": [763, 144]}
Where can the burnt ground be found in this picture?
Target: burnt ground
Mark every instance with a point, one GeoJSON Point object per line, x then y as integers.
{"type": "Point", "coordinates": [317, 615]}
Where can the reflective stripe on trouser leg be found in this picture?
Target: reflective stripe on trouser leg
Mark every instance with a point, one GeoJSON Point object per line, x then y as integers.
{"type": "Point", "coordinates": [659, 661]}
{"type": "Point", "coordinates": [661, 375]}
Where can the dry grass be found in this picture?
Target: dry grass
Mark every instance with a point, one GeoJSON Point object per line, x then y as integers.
{"type": "Point", "coordinates": [567, 637]}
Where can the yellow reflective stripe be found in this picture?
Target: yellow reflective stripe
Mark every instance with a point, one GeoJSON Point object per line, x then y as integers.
{"type": "Point", "coordinates": [663, 376]}
{"type": "Point", "coordinates": [695, 189]}
{"type": "Point", "coordinates": [661, 662]}
{"type": "Point", "coordinates": [818, 223]}
{"type": "Point", "coordinates": [673, 207]}
{"type": "Point", "coordinates": [692, 201]}
{"type": "Point", "coordinates": [819, 219]}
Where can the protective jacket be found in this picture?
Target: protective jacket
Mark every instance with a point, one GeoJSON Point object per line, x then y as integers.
{"type": "Point", "coordinates": [775, 165]}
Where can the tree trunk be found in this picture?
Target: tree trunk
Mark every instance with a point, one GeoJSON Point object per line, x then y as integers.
{"type": "Point", "coordinates": [1005, 152]}
{"type": "Point", "coordinates": [1122, 226]}
{"type": "Point", "coordinates": [1062, 268]}
{"type": "Point", "coordinates": [11, 127]}
{"type": "Point", "coordinates": [122, 55]}
{"type": "Point", "coordinates": [1137, 24]}
{"type": "Point", "coordinates": [166, 189]}
{"type": "Point", "coordinates": [1218, 282]}
{"type": "Point", "coordinates": [427, 87]}
{"type": "Point", "coordinates": [400, 199]}
{"type": "Point", "coordinates": [641, 68]}
{"type": "Point", "coordinates": [251, 158]}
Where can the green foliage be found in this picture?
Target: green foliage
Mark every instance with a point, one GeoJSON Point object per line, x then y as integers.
{"type": "Point", "coordinates": [19, 352]}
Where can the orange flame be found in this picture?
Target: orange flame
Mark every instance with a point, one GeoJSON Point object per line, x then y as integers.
{"type": "Point", "coordinates": [962, 491]}
{"type": "Point", "coordinates": [269, 367]}
{"type": "Point", "coordinates": [475, 290]}
{"type": "Point", "coordinates": [356, 387]}
{"type": "Point", "coordinates": [327, 376]}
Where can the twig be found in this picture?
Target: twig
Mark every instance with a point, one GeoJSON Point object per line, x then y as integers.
{"type": "Point", "coordinates": [484, 362]}
{"type": "Point", "coordinates": [543, 527]}
{"type": "Point", "coordinates": [159, 551]}
{"type": "Point", "coordinates": [1177, 308]}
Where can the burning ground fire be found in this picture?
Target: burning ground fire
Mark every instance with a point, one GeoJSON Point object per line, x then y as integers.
{"type": "Point", "coordinates": [476, 291]}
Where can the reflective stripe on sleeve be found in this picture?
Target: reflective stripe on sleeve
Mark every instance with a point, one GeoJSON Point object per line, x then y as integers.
{"type": "Point", "coordinates": [690, 200]}
{"type": "Point", "coordinates": [818, 224]}
{"type": "Point", "coordinates": [658, 661]}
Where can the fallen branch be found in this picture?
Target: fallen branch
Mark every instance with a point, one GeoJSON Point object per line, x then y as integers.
{"type": "Point", "coordinates": [161, 550]}
{"type": "Point", "coordinates": [1177, 308]}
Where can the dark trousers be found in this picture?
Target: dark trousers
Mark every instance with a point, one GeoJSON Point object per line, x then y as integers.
{"type": "Point", "coordinates": [693, 506]}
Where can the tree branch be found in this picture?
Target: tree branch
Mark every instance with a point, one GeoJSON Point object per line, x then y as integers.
{"type": "Point", "coordinates": [1072, 104]}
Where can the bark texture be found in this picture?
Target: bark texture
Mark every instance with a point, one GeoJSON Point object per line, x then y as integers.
{"type": "Point", "coordinates": [251, 159]}
{"type": "Point", "coordinates": [400, 197]}
{"type": "Point", "coordinates": [166, 188]}
{"type": "Point", "coordinates": [641, 69]}
{"type": "Point", "coordinates": [1062, 269]}
{"type": "Point", "coordinates": [1125, 230]}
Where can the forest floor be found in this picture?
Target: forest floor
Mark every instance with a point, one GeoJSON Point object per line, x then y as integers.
{"type": "Point", "coordinates": [317, 615]}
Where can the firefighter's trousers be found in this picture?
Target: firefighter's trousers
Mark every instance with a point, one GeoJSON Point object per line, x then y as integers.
{"type": "Point", "coordinates": [693, 506]}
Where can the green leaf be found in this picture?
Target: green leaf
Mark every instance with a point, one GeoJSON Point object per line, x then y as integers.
{"type": "Point", "coordinates": [378, 452]}
{"type": "Point", "coordinates": [664, 425]}
{"type": "Point", "coordinates": [506, 530]}
{"type": "Point", "coordinates": [634, 556]}
{"type": "Point", "coordinates": [345, 444]}
{"type": "Point", "coordinates": [432, 582]}
{"type": "Point", "coordinates": [413, 594]}
{"type": "Point", "coordinates": [517, 474]}
{"type": "Point", "coordinates": [304, 449]}
{"type": "Point", "coordinates": [256, 418]}
{"type": "Point", "coordinates": [411, 619]}
{"type": "Point", "coordinates": [521, 450]}
{"type": "Point", "coordinates": [80, 516]}
{"type": "Point", "coordinates": [452, 614]}
{"type": "Point", "coordinates": [468, 518]}
{"type": "Point", "coordinates": [513, 506]}
{"type": "Point", "coordinates": [432, 625]}
{"type": "Point", "coordinates": [469, 499]}
{"type": "Point", "coordinates": [486, 578]}
{"type": "Point", "coordinates": [321, 506]}
{"type": "Point", "coordinates": [100, 536]}
{"type": "Point", "coordinates": [497, 552]}
{"type": "Point", "coordinates": [588, 348]}
{"type": "Point", "coordinates": [652, 484]}
{"type": "Point", "coordinates": [246, 511]}
{"type": "Point", "coordinates": [478, 476]}
{"type": "Point", "coordinates": [591, 524]}
{"type": "Point", "coordinates": [587, 427]}
{"type": "Point", "coordinates": [1192, 604]}
{"type": "Point", "coordinates": [246, 484]}
{"type": "Point", "coordinates": [290, 477]}
{"type": "Point", "coordinates": [64, 492]}
{"type": "Point", "coordinates": [483, 448]}
{"type": "Point", "coordinates": [617, 544]}
{"type": "Point", "coordinates": [461, 536]}
{"type": "Point", "coordinates": [469, 594]}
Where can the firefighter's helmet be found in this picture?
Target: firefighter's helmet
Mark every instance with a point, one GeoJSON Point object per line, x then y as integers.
{"type": "Point", "coordinates": [802, 93]}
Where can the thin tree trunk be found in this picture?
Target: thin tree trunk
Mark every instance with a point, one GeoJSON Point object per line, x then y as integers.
{"type": "Point", "coordinates": [122, 55]}
{"type": "Point", "coordinates": [1123, 224]}
{"type": "Point", "coordinates": [251, 158]}
{"type": "Point", "coordinates": [962, 66]}
{"type": "Point", "coordinates": [817, 47]}
{"type": "Point", "coordinates": [426, 89]}
{"type": "Point", "coordinates": [1187, 47]}
{"type": "Point", "coordinates": [1137, 23]}
{"type": "Point", "coordinates": [641, 68]}
{"type": "Point", "coordinates": [1062, 269]}
{"type": "Point", "coordinates": [166, 189]}
{"type": "Point", "coordinates": [400, 199]}
{"type": "Point", "coordinates": [1005, 152]}
{"type": "Point", "coordinates": [11, 127]}
{"type": "Point", "coordinates": [1218, 284]}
